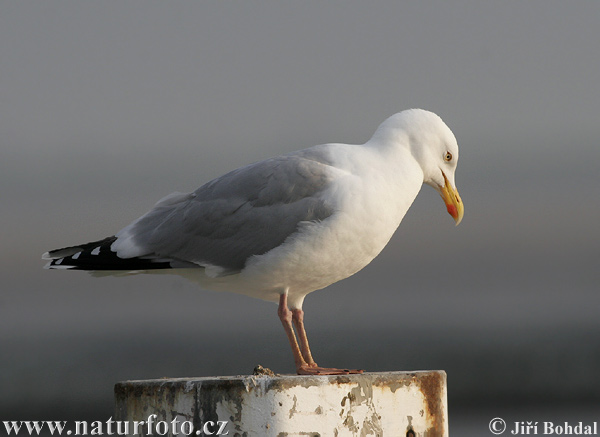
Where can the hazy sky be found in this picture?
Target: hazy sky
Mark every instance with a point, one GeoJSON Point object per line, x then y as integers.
{"type": "Point", "coordinates": [105, 107]}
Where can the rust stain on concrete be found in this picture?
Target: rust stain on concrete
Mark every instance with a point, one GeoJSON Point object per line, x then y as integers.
{"type": "Point", "coordinates": [432, 386]}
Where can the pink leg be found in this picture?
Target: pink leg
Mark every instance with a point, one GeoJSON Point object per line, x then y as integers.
{"type": "Point", "coordinates": [285, 315]}
{"type": "Point", "coordinates": [298, 319]}
{"type": "Point", "coordinates": [305, 365]}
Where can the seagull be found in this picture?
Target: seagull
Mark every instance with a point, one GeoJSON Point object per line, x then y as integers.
{"type": "Point", "coordinates": [284, 227]}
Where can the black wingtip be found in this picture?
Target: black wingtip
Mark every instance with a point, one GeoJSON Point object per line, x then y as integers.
{"type": "Point", "coordinates": [98, 255]}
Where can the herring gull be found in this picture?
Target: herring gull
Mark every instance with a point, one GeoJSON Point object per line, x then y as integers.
{"type": "Point", "coordinates": [281, 228]}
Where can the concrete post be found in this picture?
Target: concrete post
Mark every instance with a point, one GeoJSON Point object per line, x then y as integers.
{"type": "Point", "coordinates": [372, 404]}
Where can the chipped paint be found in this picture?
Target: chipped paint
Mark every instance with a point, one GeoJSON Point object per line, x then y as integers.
{"type": "Point", "coordinates": [370, 404]}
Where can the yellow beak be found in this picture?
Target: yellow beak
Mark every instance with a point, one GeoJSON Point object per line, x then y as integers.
{"type": "Point", "coordinates": [452, 200]}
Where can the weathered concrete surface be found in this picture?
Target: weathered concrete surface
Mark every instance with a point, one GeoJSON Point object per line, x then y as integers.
{"type": "Point", "coordinates": [378, 404]}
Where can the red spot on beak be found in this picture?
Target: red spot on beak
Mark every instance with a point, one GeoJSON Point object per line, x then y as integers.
{"type": "Point", "coordinates": [452, 210]}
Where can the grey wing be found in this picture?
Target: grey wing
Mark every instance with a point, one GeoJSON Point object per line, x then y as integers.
{"type": "Point", "coordinates": [246, 212]}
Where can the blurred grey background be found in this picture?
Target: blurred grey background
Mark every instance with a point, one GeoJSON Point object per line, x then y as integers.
{"type": "Point", "coordinates": [105, 107]}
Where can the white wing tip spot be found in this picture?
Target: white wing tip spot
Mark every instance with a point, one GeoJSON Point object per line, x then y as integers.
{"type": "Point", "coordinates": [62, 267]}
{"type": "Point", "coordinates": [56, 265]}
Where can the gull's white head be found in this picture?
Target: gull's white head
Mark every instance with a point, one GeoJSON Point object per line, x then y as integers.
{"type": "Point", "coordinates": [433, 146]}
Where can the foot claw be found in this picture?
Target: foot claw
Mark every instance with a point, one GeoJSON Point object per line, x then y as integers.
{"type": "Point", "coordinates": [315, 370]}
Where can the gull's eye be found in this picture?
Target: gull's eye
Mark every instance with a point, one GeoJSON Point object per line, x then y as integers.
{"type": "Point", "coordinates": [448, 157]}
